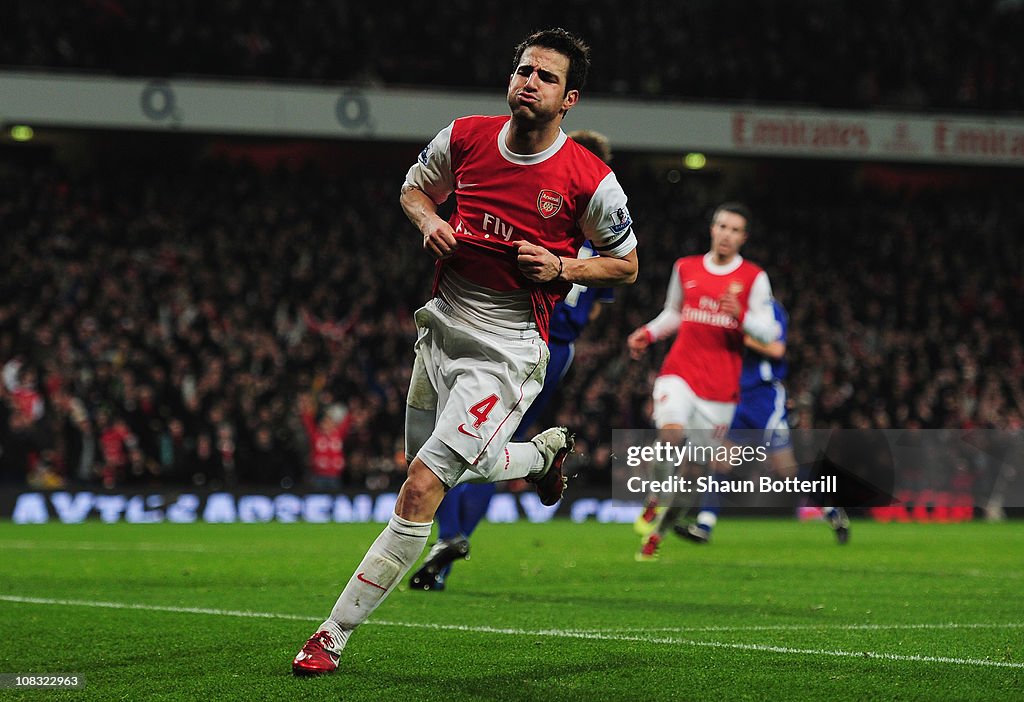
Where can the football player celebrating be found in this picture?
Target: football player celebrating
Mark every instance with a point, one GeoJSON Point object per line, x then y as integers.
{"type": "Point", "coordinates": [526, 199]}
{"type": "Point", "coordinates": [465, 505]}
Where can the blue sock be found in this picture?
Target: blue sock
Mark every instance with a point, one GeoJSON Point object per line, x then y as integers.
{"type": "Point", "coordinates": [461, 510]}
{"type": "Point", "coordinates": [449, 513]}
{"type": "Point", "coordinates": [474, 503]}
{"type": "Point", "coordinates": [710, 505]}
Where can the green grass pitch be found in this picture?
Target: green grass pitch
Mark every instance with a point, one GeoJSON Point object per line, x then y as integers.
{"type": "Point", "coordinates": [771, 610]}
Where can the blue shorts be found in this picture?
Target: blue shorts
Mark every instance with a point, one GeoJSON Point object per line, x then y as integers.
{"type": "Point", "coordinates": [761, 418]}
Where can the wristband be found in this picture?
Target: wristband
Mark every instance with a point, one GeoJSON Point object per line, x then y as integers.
{"type": "Point", "coordinates": [561, 266]}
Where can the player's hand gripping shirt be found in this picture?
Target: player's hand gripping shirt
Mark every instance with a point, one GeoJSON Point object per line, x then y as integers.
{"type": "Point", "coordinates": [556, 199]}
{"type": "Point", "coordinates": [708, 349]}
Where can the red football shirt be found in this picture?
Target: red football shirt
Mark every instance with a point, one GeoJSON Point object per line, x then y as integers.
{"type": "Point", "coordinates": [555, 199]}
{"type": "Point", "coordinates": [708, 349]}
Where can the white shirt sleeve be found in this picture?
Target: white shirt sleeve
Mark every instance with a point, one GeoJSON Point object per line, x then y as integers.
{"type": "Point", "coordinates": [432, 172]}
{"type": "Point", "coordinates": [759, 321]}
{"type": "Point", "coordinates": [667, 323]}
{"type": "Point", "coordinates": [606, 221]}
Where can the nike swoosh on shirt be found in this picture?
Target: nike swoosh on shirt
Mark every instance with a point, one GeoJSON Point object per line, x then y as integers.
{"type": "Point", "coordinates": [461, 186]}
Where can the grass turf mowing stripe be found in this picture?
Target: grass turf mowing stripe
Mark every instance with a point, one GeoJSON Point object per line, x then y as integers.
{"type": "Point", "coordinates": [94, 546]}
{"type": "Point", "coordinates": [816, 627]}
{"type": "Point", "coordinates": [557, 633]}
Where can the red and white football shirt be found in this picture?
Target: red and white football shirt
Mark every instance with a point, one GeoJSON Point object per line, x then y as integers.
{"type": "Point", "coordinates": [555, 199]}
{"type": "Point", "coordinates": [708, 349]}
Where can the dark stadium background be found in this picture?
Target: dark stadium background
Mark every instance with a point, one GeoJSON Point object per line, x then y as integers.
{"type": "Point", "coordinates": [195, 285]}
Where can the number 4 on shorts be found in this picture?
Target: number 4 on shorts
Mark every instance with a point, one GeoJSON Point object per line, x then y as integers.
{"type": "Point", "coordinates": [481, 410]}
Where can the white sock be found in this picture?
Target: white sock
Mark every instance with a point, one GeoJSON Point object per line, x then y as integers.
{"type": "Point", "coordinates": [524, 459]}
{"type": "Point", "coordinates": [707, 519]}
{"type": "Point", "coordinates": [382, 568]}
{"type": "Point", "coordinates": [662, 470]}
{"type": "Point", "coordinates": [518, 460]}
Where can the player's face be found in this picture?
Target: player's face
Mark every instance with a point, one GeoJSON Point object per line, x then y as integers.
{"type": "Point", "coordinates": [536, 91]}
{"type": "Point", "coordinates": [728, 234]}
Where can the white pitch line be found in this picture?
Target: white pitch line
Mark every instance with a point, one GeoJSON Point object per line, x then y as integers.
{"type": "Point", "coordinates": [156, 608]}
{"type": "Point", "coordinates": [554, 633]}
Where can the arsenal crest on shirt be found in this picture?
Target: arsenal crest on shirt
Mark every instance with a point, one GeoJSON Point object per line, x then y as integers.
{"type": "Point", "coordinates": [548, 203]}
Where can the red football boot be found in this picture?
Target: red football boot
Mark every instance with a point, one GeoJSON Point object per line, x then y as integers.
{"type": "Point", "coordinates": [649, 549]}
{"type": "Point", "coordinates": [554, 445]}
{"type": "Point", "coordinates": [317, 656]}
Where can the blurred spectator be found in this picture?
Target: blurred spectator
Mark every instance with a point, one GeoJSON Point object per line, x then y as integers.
{"type": "Point", "coordinates": [119, 448]}
{"type": "Point", "coordinates": [175, 314]}
{"type": "Point", "coordinates": [326, 434]}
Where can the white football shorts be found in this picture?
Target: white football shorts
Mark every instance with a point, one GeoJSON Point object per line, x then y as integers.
{"type": "Point", "coordinates": [706, 422]}
{"type": "Point", "coordinates": [481, 384]}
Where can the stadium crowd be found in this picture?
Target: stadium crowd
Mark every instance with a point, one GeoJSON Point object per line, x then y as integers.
{"type": "Point", "coordinates": [952, 54]}
{"type": "Point", "coordinates": [163, 326]}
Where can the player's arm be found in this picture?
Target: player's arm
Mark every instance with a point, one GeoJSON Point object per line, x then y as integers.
{"type": "Point", "coordinates": [759, 320]}
{"type": "Point", "coordinates": [428, 183]}
{"type": "Point", "coordinates": [543, 266]}
{"type": "Point", "coordinates": [774, 350]}
{"type": "Point", "coordinates": [665, 324]}
{"type": "Point", "coordinates": [438, 236]}
{"type": "Point", "coordinates": [601, 271]}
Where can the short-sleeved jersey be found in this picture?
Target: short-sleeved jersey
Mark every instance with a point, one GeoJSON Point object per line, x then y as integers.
{"type": "Point", "coordinates": [708, 349]}
{"type": "Point", "coordinates": [758, 370]}
{"type": "Point", "coordinates": [556, 199]}
{"type": "Point", "coordinates": [572, 313]}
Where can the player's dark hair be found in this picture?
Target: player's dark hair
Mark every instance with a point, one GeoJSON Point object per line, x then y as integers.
{"type": "Point", "coordinates": [594, 142]}
{"type": "Point", "coordinates": [569, 45]}
{"type": "Point", "coordinates": [736, 208]}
